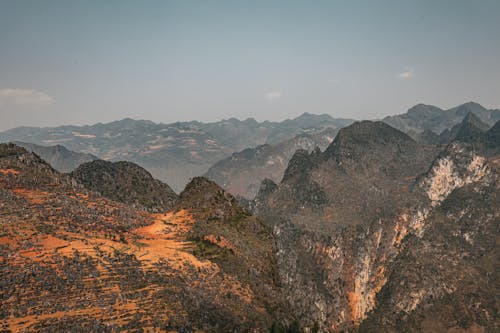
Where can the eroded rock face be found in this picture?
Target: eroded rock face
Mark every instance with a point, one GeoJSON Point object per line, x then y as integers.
{"type": "Point", "coordinates": [342, 275]}
{"type": "Point", "coordinates": [460, 166]}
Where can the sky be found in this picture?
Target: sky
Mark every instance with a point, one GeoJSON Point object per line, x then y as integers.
{"type": "Point", "coordinates": [82, 62]}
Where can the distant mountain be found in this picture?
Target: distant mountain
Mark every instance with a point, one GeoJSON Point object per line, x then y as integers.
{"type": "Point", "coordinates": [473, 131]}
{"type": "Point", "coordinates": [242, 173]}
{"type": "Point", "coordinates": [126, 182]}
{"type": "Point", "coordinates": [175, 152]}
{"type": "Point", "coordinates": [423, 117]}
{"type": "Point", "coordinates": [59, 157]}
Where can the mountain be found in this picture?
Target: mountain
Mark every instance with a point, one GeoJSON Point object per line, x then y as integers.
{"type": "Point", "coordinates": [74, 260]}
{"type": "Point", "coordinates": [427, 117]}
{"type": "Point", "coordinates": [60, 158]}
{"type": "Point", "coordinates": [353, 179]}
{"type": "Point", "coordinates": [443, 278]}
{"type": "Point", "coordinates": [242, 173]}
{"type": "Point", "coordinates": [175, 152]}
{"type": "Point", "coordinates": [352, 225]}
{"type": "Point", "coordinates": [126, 182]}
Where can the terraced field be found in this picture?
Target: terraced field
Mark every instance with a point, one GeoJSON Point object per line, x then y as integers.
{"type": "Point", "coordinates": [71, 260]}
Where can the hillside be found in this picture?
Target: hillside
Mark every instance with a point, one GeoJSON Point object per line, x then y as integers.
{"type": "Point", "coordinates": [351, 222]}
{"type": "Point", "coordinates": [75, 261]}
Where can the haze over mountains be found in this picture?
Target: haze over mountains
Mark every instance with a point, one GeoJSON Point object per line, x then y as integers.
{"type": "Point", "coordinates": [172, 152]}
{"type": "Point", "coordinates": [179, 151]}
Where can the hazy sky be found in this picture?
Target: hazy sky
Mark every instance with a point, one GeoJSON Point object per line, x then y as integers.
{"type": "Point", "coordinates": [81, 62]}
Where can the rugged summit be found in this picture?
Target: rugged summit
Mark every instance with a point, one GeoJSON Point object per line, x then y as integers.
{"type": "Point", "coordinates": [126, 182]}
{"type": "Point", "coordinates": [359, 175]}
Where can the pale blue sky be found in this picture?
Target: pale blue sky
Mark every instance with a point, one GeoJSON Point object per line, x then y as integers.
{"type": "Point", "coordinates": [81, 62]}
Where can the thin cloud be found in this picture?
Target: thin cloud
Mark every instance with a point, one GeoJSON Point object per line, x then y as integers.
{"type": "Point", "coordinates": [407, 73]}
{"type": "Point", "coordinates": [273, 95]}
{"type": "Point", "coordinates": [28, 98]}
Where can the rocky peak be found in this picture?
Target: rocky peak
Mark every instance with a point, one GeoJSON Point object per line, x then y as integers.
{"type": "Point", "coordinates": [209, 201]}
{"type": "Point", "coordinates": [267, 187]}
{"type": "Point", "coordinates": [472, 119]}
{"type": "Point", "coordinates": [470, 129]}
{"type": "Point", "coordinates": [469, 107]}
{"type": "Point", "coordinates": [23, 157]}
{"type": "Point", "coordinates": [423, 110]}
{"type": "Point", "coordinates": [301, 163]}
{"type": "Point", "coordinates": [58, 156]}
{"type": "Point", "coordinates": [10, 149]}
{"type": "Point", "coordinates": [126, 182]}
{"type": "Point", "coordinates": [365, 135]}
{"type": "Point", "coordinates": [36, 171]}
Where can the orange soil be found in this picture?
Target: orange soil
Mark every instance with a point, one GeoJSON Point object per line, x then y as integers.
{"type": "Point", "coordinates": [9, 171]}
{"type": "Point", "coordinates": [7, 240]}
{"type": "Point", "coordinates": [165, 239]}
{"type": "Point", "coordinates": [23, 323]}
{"type": "Point", "coordinates": [220, 241]}
{"type": "Point", "coordinates": [32, 196]}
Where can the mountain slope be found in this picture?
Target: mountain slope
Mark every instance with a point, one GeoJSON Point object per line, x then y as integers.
{"type": "Point", "coordinates": [75, 261]}
{"type": "Point", "coordinates": [242, 173]}
{"type": "Point", "coordinates": [58, 156]}
{"type": "Point", "coordinates": [347, 220]}
{"type": "Point", "coordinates": [126, 182]}
{"type": "Point", "coordinates": [444, 277]}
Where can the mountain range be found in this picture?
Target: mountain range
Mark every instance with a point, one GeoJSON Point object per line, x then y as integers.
{"type": "Point", "coordinates": [362, 228]}
{"type": "Point", "coordinates": [173, 152]}
{"type": "Point", "coordinates": [423, 117]}
{"type": "Point", "coordinates": [177, 152]}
